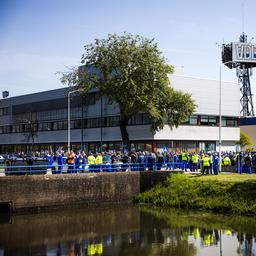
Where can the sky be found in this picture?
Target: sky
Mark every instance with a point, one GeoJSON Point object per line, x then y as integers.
{"type": "Point", "coordinates": [41, 37]}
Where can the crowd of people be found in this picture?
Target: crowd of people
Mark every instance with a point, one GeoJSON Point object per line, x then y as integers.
{"type": "Point", "coordinates": [206, 162]}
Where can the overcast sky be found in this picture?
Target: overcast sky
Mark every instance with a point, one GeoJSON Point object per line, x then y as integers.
{"type": "Point", "coordinates": [40, 37]}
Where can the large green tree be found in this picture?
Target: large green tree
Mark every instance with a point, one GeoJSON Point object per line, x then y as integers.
{"type": "Point", "coordinates": [245, 140]}
{"type": "Point", "coordinates": [131, 71]}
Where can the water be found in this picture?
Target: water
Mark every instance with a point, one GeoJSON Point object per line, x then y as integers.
{"type": "Point", "coordinates": [127, 230]}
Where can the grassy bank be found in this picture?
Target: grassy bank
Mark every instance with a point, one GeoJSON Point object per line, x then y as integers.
{"type": "Point", "coordinates": [225, 193]}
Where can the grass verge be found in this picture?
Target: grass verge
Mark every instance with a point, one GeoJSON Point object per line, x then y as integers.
{"type": "Point", "coordinates": [225, 193]}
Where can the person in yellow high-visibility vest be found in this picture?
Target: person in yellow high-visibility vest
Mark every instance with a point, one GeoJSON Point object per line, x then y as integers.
{"type": "Point", "coordinates": [226, 161]}
{"type": "Point", "coordinates": [93, 249]}
{"type": "Point", "coordinates": [194, 159]}
{"type": "Point", "coordinates": [206, 164]}
{"type": "Point", "coordinates": [98, 158]}
{"type": "Point", "coordinates": [184, 159]}
{"type": "Point", "coordinates": [98, 162]}
{"type": "Point", "coordinates": [91, 162]}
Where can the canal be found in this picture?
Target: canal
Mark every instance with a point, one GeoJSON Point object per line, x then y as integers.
{"type": "Point", "coordinates": [126, 230]}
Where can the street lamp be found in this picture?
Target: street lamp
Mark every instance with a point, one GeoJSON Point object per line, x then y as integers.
{"type": "Point", "coordinates": [220, 121]}
{"type": "Point", "coordinates": [220, 115]}
{"type": "Point", "coordinates": [69, 93]}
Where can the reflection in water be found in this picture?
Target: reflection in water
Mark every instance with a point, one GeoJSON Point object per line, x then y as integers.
{"type": "Point", "coordinates": [127, 230]}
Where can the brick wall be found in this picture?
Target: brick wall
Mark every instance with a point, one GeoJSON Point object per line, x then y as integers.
{"type": "Point", "coordinates": [40, 191]}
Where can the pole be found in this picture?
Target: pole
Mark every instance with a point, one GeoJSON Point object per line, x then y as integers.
{"type": "Point", "coordinates": [220, 121]}
{"type": "Point", "coordinates": [69, 93]}
{"type": "Point", "coordinates": [69, 121]}
{"type": "Point", "coordinates": [101, 123]}
{"type": "Point", "coordinates": [220, 244]}
{"type": "Point", "coordinates": [82, 126]}
{"type": "Point", "coordinates": [220, 115]}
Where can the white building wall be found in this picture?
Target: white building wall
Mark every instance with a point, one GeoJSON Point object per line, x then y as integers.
{"type": "Point", "coordinates": [198, 133]}
{"type": "Point", "coordinates": [206, 94]}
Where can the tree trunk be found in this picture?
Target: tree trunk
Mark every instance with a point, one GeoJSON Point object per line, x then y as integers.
{"type": "Point", "coordinates": [124, 133]}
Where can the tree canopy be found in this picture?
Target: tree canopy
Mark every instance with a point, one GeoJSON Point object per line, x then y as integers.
{"type": "Point", "coordinates": [131, 71]}
{"type": "Point", "coordinates": [245, 140]}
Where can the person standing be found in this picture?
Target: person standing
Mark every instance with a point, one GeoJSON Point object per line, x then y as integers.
{"type": "Point", "coordinates": [215, 164]}
{"type": "Point", "coordinates": [194, 159]}
{"type": "Point", "coordinates": [98, 162]}
{"type": "Point", "coordinates": [71, 161]}
{"type": "Point", "coordinates": [184, 160]}
{"type": "Point", "coordinates": [226, 161]}
{"type": "Point", "coordinates": [159, 161]}
{"type": "Point", "coordinates": [248, 163]}
{"type": "Point", "coordinates": [60, 162]}
{"type": "Point", "coordinates": [79, 162]}
{"type": "Point", "coordinates": [91, 162]}
{"type": "Point", "coordinates": [205, 164]}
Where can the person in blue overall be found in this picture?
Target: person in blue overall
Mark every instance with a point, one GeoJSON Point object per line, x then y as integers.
{"type": "Point", "coordinates": [49, 160]}
{"type": "Point", "coordinates": [60, 162]}
{"type": "Point", "coordinates": [79, 161]}
{"type": "Point", "coordinates": [159, 161]}
{"type": "Point", "coordinates": [151, 162]}
{"type": "Point", "coordinates": [215, 164]}
{"type": "Point", "coordinates": [248, 163]}
{"type": "Point", "coordinates": [175, 161]}
{"type": "Point", "coordinates": [239, 163]}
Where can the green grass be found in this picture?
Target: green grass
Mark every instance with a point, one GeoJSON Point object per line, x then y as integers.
{"type": "Point", "coordinates": [225, 193]}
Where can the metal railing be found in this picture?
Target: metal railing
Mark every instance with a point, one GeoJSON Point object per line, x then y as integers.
{"type": "Point", "coordinates": [87, 168]}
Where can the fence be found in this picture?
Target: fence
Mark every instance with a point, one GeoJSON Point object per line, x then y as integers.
{"type": "Point", "coordinates": [21, 168]}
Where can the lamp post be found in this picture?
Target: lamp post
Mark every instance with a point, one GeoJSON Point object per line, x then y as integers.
{"type": "Point", "coordinates": [220, 114]}
{"type": "Point", "coordinates": [69, 93]}
{"type": "Point", "coordinates": [220, 121]}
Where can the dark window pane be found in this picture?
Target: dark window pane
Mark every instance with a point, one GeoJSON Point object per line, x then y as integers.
{"type": "Point", "coordinates": [204, 120]}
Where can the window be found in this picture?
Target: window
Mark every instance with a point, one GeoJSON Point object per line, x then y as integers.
{"type": "Point", "coordinates": [62, 125]}
{"type": "Point", "coordinates": [77, 124]}
{"type": "Point", "coordinates": [223, 122]}
{"type": "Point", "coordinates": [145, 118]}
{"type": "Point", "coordinates": [193, 120]}
{"type": "Point", "coordinates": [204, 120]}
{"type": "Point", "coordinates": [111, 121]}
{"type": "Point", "coordinates": [16, 128]}
{"type": "Point", "coordinates": [139, 119]}
{"type": "Point", "coordinates": [45, 126]}
{"type": "Point", "coordinates": [231, 122]}
{"type": "Point", "coordinates": [93, 122]}
{"type": "Point", "coordinates": [212, 121]}
{"type": "Point", "coordinates": [54, 126]}
{"type": "Point", "coordinates": [76, 112]}
{"type": "Point", "coordinates": [3, 111]}
{"type": "Point", "coordinates": [5, 129]}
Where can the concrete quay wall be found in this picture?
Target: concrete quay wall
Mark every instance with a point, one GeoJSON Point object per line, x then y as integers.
{"type": "Point", "coordinates": [35, 192]}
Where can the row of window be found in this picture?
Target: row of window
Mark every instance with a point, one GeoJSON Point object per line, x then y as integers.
{"type": "Point", "coordinates": [50, 114]}
{"type": "Point", "coordinates": [110, 121]}
{"type": "Point", "coordinates": [4, 111]}
{"type": "Point", "coordinates": [150, 146]}
{"type": "Point", "coordinates": [211, 121]}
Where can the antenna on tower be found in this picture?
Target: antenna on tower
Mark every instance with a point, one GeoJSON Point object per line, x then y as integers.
{"type": "Point", "coordinates": [243, 17]}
